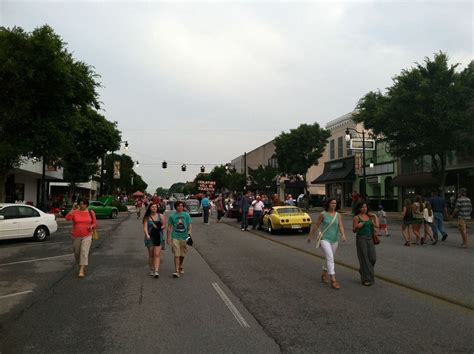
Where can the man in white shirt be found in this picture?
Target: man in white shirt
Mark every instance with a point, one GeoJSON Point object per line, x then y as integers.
{"type": "Point", "coordinates": [258, 207]}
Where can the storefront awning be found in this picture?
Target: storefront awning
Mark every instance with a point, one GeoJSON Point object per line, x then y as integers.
{"type": "Point", "coordinates": [425, 179]}
{"type": "Point", "coordinates": [337, 171]}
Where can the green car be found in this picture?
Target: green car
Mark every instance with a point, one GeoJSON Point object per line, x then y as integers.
{"type": "Point", "coordinates": [101, 207]}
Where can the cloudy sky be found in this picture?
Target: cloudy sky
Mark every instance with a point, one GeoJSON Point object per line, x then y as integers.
{"type": "Point", "coordinates": [202, 82]}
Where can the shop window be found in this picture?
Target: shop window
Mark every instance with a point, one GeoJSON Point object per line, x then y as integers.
{"type": "Point", "coordinates": [332, 152]}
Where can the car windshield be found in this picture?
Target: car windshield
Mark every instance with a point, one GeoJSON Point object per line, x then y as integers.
{"type": "Point", "coordinates": [96, 204]}
{"type": "Point", "coordinates": [288, 210]}
{"type": "Point", "coordinates": [192, 202]}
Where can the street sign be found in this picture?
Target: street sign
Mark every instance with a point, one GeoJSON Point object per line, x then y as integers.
{"type": "Point", "coordinates": [206, 186]}
{"type": "Point", "coordinates": [356, 144]}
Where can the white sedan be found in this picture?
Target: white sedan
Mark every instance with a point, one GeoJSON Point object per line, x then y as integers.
{"type": "Point", "coordinates": [22, 221]}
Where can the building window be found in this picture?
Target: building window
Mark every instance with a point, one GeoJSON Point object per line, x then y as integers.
{"type": "Point", "coordinates": [339, 147]}
{"type": "Point", "coordinates": [332, 153]}
{"type": "Point", "coordinates": [348, 149]}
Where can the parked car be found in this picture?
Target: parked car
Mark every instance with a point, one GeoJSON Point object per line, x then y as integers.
{"type": "Point", "coordinates": [193, 207]}
{"type": "Point", "coordinates": [102, 208]}
{"type": "Point", "coordinates": [23, 221]}
{"type": "Point", "coordinates": [234, 212]}
{"type": "Point", "coordinates": [286, 218]}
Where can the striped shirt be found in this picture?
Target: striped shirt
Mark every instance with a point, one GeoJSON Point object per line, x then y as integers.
{"type": "Point", "coordinates": [464, 207]}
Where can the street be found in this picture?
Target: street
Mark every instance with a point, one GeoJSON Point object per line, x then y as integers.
{"type": "Point", "coordinates": [241, 292]}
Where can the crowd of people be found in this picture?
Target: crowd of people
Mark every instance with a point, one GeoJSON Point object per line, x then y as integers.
{"type": "Point", "coordinates": [422, 218]}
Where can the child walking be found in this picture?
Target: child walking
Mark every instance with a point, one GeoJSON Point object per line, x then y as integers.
{"type": "Point", "coordinates": [382, 216]}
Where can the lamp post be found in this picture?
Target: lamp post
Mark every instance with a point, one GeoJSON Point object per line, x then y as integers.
{"type": "Point", "coordinates": [348, 138]}
{"type": "Point", "coordinates": [102, 171]}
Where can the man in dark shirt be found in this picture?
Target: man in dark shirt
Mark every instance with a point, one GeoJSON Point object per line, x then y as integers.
{"type": "Point", "coordinates": [439, 211]}
{"type": "Point", "coordinates": [244, 206]}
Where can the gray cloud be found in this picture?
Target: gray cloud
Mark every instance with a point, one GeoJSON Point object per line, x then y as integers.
{"type": "Point", "coordinates": [204, 82]}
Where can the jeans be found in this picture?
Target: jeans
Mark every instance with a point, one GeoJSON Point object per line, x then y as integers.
{"type": "Point", "coordinates": [367, 257]}
{"type": "Point", "coordinates": [438, 225]}
{"type": "Point", "coordinates": [257, 214]}
{"type": "Point", "coordinates": [245, 221]}
{"type": "Point", "coordinates": [205, 211]}
{"type": "Point", "coordinates": [329, 252]}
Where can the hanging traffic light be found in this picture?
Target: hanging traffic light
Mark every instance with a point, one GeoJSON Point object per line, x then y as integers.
{"type": "Point", "coordinates": [183, 168]}
{"type": "Point", "coordinates": [164, 164]}
{"type": "Point", "coordinates": [203, 169]}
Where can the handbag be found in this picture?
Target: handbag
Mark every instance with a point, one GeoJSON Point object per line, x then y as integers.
{"type": "Point", "coordinates": [320, 234]}
{"type": "Point", "coordinates": [95, 234]}
{"type": "Point", "coordinates": [375, 237]}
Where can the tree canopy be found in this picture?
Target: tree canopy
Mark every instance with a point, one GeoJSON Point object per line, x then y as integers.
{"type": "Point", "coordinates": [45, 96]}
{"type": "Point", "coordinates": [263, 177]}
{"type": "Point", "coordinates": [425, 112]}
{"type": "Point", "coordinates": [301, 148]}
{"type": "Point", "coordinates": [128, 182]}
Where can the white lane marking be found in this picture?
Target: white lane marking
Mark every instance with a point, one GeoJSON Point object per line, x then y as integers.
{"type": "Point", "coordinates": [33, 245]}
{"type": "Point", "coordinates": [36, 260]}
{"type": "Point", "coordinates": [16, 294]}
{"type": "Point", "coordinates": [230, 306]}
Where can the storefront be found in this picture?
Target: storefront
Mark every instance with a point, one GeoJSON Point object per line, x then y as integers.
{"type": "Point", "coordinates": [338, 177]}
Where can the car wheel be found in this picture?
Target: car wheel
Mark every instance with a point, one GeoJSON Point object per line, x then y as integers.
{"type": "Point", "coordinates": [271, 229]}
{"type": "Point", "coordinates": [306, 230]}
{"type": "Point", "coordinates": [41, 233]}
{"type": "Point", "coordinates": [114, 214]}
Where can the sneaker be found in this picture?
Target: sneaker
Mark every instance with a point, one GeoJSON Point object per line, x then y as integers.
{"type": "Point", "coordinates": [152, 273]}
{"type": "Point", "coordinates": [181, 271]}
{"type": "Point", "coordinates": [444, 237]}
{"type": "Point", "coordinates": [176, 275]}
{"type": "Point", "coordinates": [156, 275]}
{"type": "Point", "coordinates": [435, 242]}
{"type": "Point", "coordinates": [243, 229]}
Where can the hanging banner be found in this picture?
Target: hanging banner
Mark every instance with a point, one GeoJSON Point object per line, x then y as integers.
{"type": "Point", "coordinates": [206, 186]}
{"type": "Point", "coordinates": [116, 169]}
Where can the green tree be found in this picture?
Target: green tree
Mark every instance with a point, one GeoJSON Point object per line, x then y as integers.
{"type": "Point", "coordinates": [42, 87]}
{"type": "Point", "coordinates": [425, 112]}
{"type": "Point", "coordinates": [176, 187]}
{"type": "Point", "coordinates": [162, 191]}
{"type": "Point", "coordinates": [263, 178]}
{"type": "Point", "coordinates": [93, 137]}
{"type": "Point", "coordinates": [127, 175]}
{"type": "Point", "coordinates": [300, 149]}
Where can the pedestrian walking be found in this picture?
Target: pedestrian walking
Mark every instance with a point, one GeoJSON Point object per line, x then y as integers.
{"type": "Point", "coordinates": [383, 221]}
{"type": "Point", "coordinates": [244, 206]}
{"type": "Point", "coordinates": [364, 224]}
{"type": "Point", "coordinates": [205, 204]}
{"type": "Point", "coordinates": [418, 219]}
{"type": "Point", "coordinates": [83, 223]}
{"type": "Point", "coordinates": [428, 222]}
{"type": "Point", "coordinates": [220, 207]}
{"type": "Point", "coordinates": [138, 207]}
{"type": "Point", "coordinates": [153, 226]}
{"type": "Point", "coordinates": [179, 229]}
{"type": "Point", "coordinates": [331, 226]}
{"type": "Point", "coordinates": [463, 209]}
{"type": "Point", "coordinates": [258, 207]}
{"type": "Point", "coordinates": [440, 210]}
{"type": "Point", "coordinates": [407, 213]}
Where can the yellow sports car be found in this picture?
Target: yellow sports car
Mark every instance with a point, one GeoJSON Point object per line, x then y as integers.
{"type": "Point", "coordinates": [286, 218]}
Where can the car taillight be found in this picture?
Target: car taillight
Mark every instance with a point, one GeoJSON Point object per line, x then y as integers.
{"type": "Point", "coordinates": [282, 220]}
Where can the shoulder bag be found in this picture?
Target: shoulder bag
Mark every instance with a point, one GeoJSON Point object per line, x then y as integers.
{"type": "Point", "coordinates": [321, 234]}
{"type": "Point", "coordinates": [95, 234]}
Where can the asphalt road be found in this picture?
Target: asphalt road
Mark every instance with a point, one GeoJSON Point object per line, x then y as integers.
{"type": "Point", "coordinates": [279, 303]}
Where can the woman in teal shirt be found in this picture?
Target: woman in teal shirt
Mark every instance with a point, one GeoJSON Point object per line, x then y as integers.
{"type": "Point", "coordinates": [330, 224]}
{"type": "Point", "coordinates": [363, 225]}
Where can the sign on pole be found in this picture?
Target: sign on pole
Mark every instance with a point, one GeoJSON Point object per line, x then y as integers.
{"type": "Point", "coordinates": [356, 144]}
{"type": "Point", "coordinates": [206, 186]}
{"type": "Point", "coordinates": [116, 169]}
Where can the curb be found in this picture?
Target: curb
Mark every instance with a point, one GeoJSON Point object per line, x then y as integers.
{"type": "Point", "coordinates": [381, 277]}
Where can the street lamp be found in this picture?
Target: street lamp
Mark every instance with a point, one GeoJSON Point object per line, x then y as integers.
{"type": "Point", "coordinates": [103, 171]}
{"type": "Point", "coordinates": [348, 138]}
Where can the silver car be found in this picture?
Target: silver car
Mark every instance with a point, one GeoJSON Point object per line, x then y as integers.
{"type": "Point", "coordinates": [193, 207]}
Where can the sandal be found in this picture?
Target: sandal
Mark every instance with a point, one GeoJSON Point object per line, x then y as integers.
{"type": "Point", "coordinates": [407, 243]}
{"type": "Point", "coordinates": [324, 278]}
{"type": "Point", "coordinates": [335, 285]}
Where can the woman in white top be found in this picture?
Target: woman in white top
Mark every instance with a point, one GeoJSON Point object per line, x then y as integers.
{"type": "Point", "coordinates": [428, 221]}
